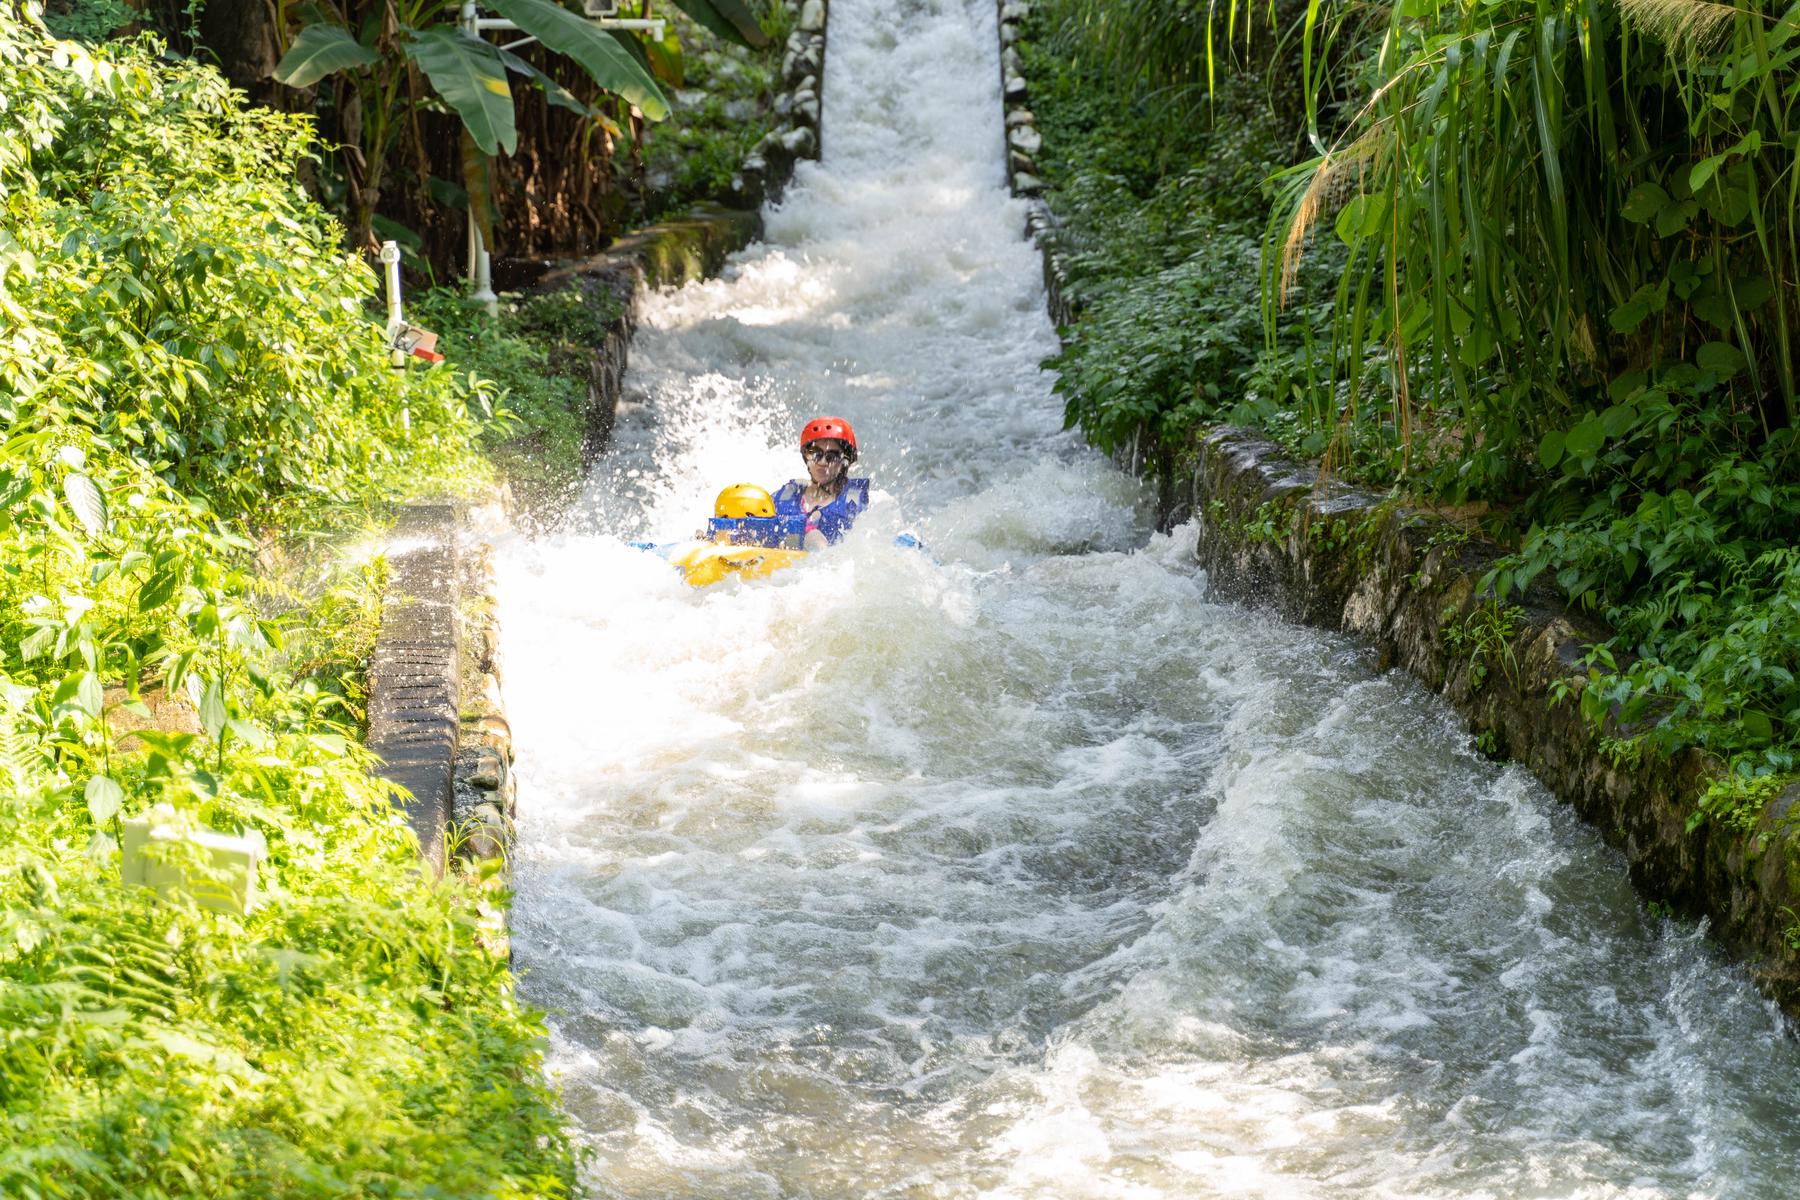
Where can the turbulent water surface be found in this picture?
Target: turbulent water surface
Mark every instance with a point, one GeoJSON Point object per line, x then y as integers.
{"type": "Point", "coordinates": [1018, 868]}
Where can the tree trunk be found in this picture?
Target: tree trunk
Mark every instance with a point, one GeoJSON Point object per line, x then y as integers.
{"type": "Point", "coordinates": [243, 36]}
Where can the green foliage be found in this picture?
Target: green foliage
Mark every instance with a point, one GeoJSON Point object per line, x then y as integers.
{"type": "Point", "coordinates": [1539, 200]}
{"type": "Point", "coordinates": [1161, 226]}
{"type": "Point", "coordinates": [188, 369]}
{"type": "Point", "coordinates": [542, 346]}
{"type": "Point", "coordinates": [179, 304]}
{"type": "Point", "coordinates": [379, 55]}
{"type": "Point", "coordinates": [88, 20]}
{"type": "Point", "coordinates": [1546, 245]}
{"type": "Point", "coordinates": [1696, 571]}
{"type": "Point", "coordinates": [724, 109]}
{"type": "Point", "coordinates": [1482, 638]}
{"type": "Point", "coordinates": [1166, 353]}
{"type": "Point", "coordinates": [1736, 801]}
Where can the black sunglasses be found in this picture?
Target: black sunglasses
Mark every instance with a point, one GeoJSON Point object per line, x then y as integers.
{"type": "Point", "coordinates": [815, 454]}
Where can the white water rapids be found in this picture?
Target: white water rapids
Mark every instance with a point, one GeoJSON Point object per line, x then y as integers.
{"type": "Point", "coordinates": [1019, 869]}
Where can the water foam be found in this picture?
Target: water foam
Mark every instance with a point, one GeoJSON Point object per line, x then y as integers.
{"type": "Point", "coordinates": [1017, 868]}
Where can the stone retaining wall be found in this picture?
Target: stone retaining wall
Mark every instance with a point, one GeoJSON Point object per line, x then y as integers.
{"type": "Point", "coordinates": [1337, 557]}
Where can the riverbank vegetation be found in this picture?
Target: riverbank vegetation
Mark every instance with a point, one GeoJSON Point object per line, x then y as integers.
{"type": "Point", "coordinates": [195, 392]}
{"type": "Point", "coordinates": [1531, 262]}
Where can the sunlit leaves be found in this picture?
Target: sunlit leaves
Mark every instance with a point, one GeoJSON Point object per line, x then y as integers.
{"type": "Point", "coordinates": [187, 373]}
{"type": "Point", "coordinates": [104, 798]}
{"type": "Point", "coordinates": [85, 501]}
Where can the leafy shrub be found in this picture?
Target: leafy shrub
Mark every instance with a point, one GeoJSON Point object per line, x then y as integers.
{"type": "Point", "coordinates": [186, 367]}
{"type": "Point", "coordinates": [1160, 227]}
{"type": "Point", "coordinates": [1688, 553]}
{"type": "Point", "coordinates": [541, 345]}
{"type": "Point", "coordinates": [723, 110]}
{"type": "Point", "coordinates": [88, 20]}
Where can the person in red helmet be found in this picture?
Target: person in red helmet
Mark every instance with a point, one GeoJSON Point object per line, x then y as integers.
{"type": "Point", "coordinates": [828, 497]}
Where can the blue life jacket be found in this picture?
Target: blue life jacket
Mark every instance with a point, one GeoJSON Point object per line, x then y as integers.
{"type": "Point", "coordinates": [758, 531]}
{"type": "Point", "coordinates": [835, 518]}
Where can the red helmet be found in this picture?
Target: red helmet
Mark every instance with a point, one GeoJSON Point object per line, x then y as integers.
{"type": "Point", "coordinates": [837, 428]}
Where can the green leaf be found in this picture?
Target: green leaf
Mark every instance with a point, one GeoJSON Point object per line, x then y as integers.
{"type": "Point", "coordinates": [1585, 439]}
{"type": "Point", "coordinates": [1751, 292]}
{"type": "Point", "coordinates": [1628, 316]}
{"type": "Point", "coordinates": [252, 734]}
{"type": "Point", "coordinates": [86, 502]}
{"type": "Point", "coordinates": [104, 798]}
{"type": "Point", "coordinates": [730, 19]}
{"type": "Point", "coordinates": [321, 50]}
{"type": "Point", "coordinates": [467, 73]}
{"type": "Point", "coordinates": [1721, 358]}
{"type": "Point", "coordinates": [212, 710]}
{"type": "Point", "coordinates": [36, 642]}
{"type": "Point", "coordinates": [1645, 201]}
{"type": "Point", "coordinates": [599, 54]}
{"type": "Point", "coordinates": [1675, 217]}
{"type": "Point", "coordinates": [89, 694]}
{"type": "Point", "coordinates": [1360, 218]}
{"type": "Point", "coordinates": [1550, 449]}
{"type": "Point", "coordinates": [1703, 171]}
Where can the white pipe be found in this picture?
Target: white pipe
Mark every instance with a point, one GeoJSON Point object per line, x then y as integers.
{"type": "Point", "coordinates": [390, 259]}
{"type": "Point", "coordinates": [481, 24]}
{"type": "Point", "coordinates": [484, 276]}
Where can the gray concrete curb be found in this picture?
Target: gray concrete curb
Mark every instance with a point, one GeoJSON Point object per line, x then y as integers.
{"type": "Point", "coordinates": [414, 684]}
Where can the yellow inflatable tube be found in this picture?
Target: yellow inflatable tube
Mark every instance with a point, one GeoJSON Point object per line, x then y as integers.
{"type": "Point", "coordinates": [706, 563]}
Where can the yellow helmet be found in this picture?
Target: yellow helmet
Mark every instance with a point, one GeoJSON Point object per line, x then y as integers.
{"type": "Point", "coordinates": [744, 500]}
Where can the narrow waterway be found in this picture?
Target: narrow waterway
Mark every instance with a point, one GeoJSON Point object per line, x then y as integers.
{"type": "Point", "coordinates": [1019, 869]}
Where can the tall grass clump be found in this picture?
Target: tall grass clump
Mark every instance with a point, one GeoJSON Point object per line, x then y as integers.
{"type": "Point", "coordinates": [187, 371]}
{"type": "Point", "coordinates": [1573, 229]}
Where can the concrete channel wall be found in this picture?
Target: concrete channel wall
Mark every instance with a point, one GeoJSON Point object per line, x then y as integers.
{"type": "Point", "coordinates": [1273, 534]}
{"type": "Point", "coordinates": [437, 713]}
